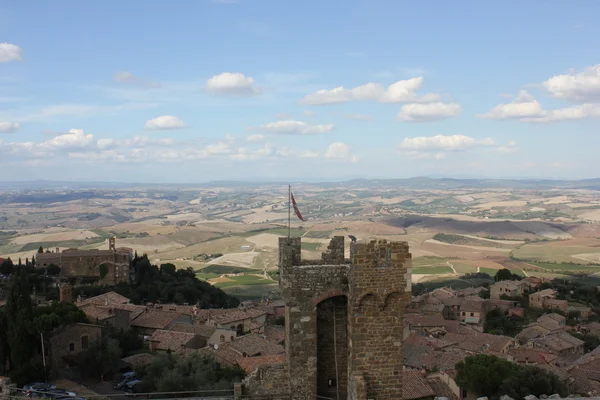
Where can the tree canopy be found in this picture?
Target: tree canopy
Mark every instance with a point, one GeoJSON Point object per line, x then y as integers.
{"type": "Point", "coordinates": [172, 373]}
{"type": "Point", "coordinates": [505, 275]}
{"type": "Point", "coordinates": [493, 377]}
{"type": "Point", "coordinates": [499, 324]}
{"type": "Point", "coordinates": [165, 284]}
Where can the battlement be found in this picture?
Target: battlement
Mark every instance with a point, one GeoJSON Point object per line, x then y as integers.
{"type": "Point", "coordinates": [337, 308]}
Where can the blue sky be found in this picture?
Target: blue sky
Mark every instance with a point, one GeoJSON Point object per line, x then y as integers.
{"type": "Point", "coordinates": [192, 91]}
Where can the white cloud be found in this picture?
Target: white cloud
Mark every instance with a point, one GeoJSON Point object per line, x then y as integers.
{"type": "Point", "coordinates": [309, 113]}
{"type": "Point", "coordinates": [581, 87]}
{"type": "Point", "coordinates": [164, 122]}
{"type": "Point", "coordinates": [438, 142]}
{"type": "Point", "coordinates": [416, 112]}
{"type": "Point", "coordinates": [292, 127]}
{"type": "Point", "coordinates": [74, 139]}
{"type": "Point", "coordinates": [436, 147]}
{"type": "Point", "coordinates": [127, 77]}
{"type": "Point", "coordinates": [10, 52]}
{"type": "Point", "coordinates": [340, 151]}
{"type": "Point", "coordinates": [8, 127]}
{"type": "Point", "coordinates": [52, 112]}
{"type": "Point", "coordinates": [359, 117]}
{"type": "Point", "coordinates": [231, 84]}
{"type": "Point", "coordinates": [256, 138]}
{"type": "Point", "coordinates": [511, 147]}
{"type": "Point", "coordinates": [525, 108]}
{"type": "Point", "coordinates": [403, 91]}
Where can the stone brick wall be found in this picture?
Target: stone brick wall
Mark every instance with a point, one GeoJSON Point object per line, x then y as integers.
{"type": "Point", "coordinates": [378, 296]}
{"type": "Point", "coordinates": [61, 341]}
{"type": "Point", "coordinates": [369, 294]}
{"type": "Point", "coordinates": [268, 382]}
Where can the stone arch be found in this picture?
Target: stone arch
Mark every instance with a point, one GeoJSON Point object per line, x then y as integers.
{"type": "Point", "coordinates": [366, 301]}
{"type": "Point", "coordinates": [328, 294]}
{"type": "Point", "coordinates": [392, 299]}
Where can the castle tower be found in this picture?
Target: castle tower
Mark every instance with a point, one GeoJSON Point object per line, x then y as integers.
{"type": "Point", "coordinates": [380, 286]}
{"type": "Point", "coordinates": [111, 243]}
{"type": "Point", "coordinates": [344, 319]}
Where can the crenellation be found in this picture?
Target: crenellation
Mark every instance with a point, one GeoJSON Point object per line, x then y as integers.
{"type": "Point", "coordinates": [344, 318]}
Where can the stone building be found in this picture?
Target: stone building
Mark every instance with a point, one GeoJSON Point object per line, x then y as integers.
{"type": "Point", "coordinates": [67, 342]}
{"type": "Point", "coordinates": [344, 321]}
{"type": "Point", "coordinates": [109, 266]}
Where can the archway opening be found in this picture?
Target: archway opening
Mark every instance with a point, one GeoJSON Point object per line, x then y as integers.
{"type": "Point", "coordinates": [332, 347]}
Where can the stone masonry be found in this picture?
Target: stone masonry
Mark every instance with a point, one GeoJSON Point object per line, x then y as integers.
{"type": "Point", "coordinates": [344, 319]}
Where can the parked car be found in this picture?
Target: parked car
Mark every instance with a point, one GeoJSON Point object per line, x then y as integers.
{"type": "Point", "coordinates": [131, 388]}
{"type": "Point", "coordinates": [59, 393]}
{"type": "Point", "coordinates": [39, 386]}
{"type": "Point", "coordinates": [123, 379]}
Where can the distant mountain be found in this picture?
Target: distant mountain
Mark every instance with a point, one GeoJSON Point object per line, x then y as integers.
{"type": "Point", "coordinates": [416, 182]}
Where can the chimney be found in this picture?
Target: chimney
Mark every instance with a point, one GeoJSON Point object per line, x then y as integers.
{"type": "Point", "coordinates": [57, 250]}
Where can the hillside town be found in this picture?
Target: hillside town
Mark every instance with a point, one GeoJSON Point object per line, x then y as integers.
{"type": "Point", "coordinates": [525, 321]}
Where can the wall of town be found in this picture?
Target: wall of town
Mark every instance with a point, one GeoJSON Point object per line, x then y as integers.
{"type": "Point", "coordinates": [68, 341]}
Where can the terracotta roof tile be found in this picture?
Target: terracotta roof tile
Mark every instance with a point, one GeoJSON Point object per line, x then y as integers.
{"type": "Point", "coordinates": [275, 333]}
{"type": "Point", "coordinates": [200, 330]}
{"type": "Point", "coordinates": [171, 340]}
{"type": "Point", "coordinates": [250, 364]}
{"type": "Point", "coordinates": [109, 298]}
{"type": "Point", "coordinates": [155, 319]}
{"type": "Point", "coordinates": [223, 354]}
{"type": "Point", "coordinates": [254, 345]}
{"type": "Point", "coordinates": [234, 315]}
{"type": "Point", "coordinates": [415, 386]}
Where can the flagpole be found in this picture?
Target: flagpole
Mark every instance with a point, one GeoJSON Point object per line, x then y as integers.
{"type": "Point", "coordinates": [289, 211]}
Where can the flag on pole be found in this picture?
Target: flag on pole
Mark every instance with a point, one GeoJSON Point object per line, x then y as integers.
{"type": "Point", "coordinates": [296, 210]}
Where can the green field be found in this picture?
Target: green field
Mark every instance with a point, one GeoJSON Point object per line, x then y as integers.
{"type": "Point", "coordinates": [252, 292]}
{"type": "Point", "coordinates": [555, 254]}
{"type": "Point", "coordinates": [244, 280]}
{"type": "Point", "coordinates": [429, 262]}
{"type": "Point", "coordinates": [294, 232]}
{"type": "Point", "coordinates": [319, 234]}
{"type": "Point", "coordinates": [310, 246]}
{"type": "Point", "coordinates": [215, 271]}
{"type": "Point", "coordinates": [467, 241]}
{"type": "Point", "coordinates": [432, 270]}
{"type": "Point", "coordinates": [464, 268]}
{"type": "Point", "coordinates": [568, 267]}
{"type": "Point", "coordinates": [490, 271]}
{"type": "Point", "coordinates": [225, 269]}
{"type": "Point", "coordinates": [62, 244]}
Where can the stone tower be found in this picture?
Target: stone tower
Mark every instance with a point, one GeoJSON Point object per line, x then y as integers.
{"type": "Point", "coordinates": [344, 319]}
{"type": "Point", "coordinates": [112, 243]}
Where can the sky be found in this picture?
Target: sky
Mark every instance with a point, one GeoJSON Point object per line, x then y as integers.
{"type": "Point", "coordinates": [201, 90]}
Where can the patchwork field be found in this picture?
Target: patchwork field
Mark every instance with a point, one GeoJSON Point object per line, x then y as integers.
{"type": "Point", "coordinates": [453, 227]}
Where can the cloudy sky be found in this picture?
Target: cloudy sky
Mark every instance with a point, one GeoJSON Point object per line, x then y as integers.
{"type": "Point", "coordinates": [192, 91]}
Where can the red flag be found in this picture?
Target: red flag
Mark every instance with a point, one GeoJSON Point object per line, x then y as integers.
{"type": "Point", "coordinates": [298, 214]}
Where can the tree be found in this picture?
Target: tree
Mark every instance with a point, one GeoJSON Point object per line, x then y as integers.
{"type": "Point", "coordinates": [499, 324]}
{"type": "Point", "coordinates": [101, 358]}
{"type": "Point", "coordinates": [41, 250]}
{"type": "Point", "coordinates": [483, 374]}
{"type": "Point", "coordinates": [103, 269]}
{"type": "Point", "coordinates": [591, 341]}
{"type": "Point", "coordinates": [53, 270]}
{"type": "Point", "coordinates": [505, 275]}
{"type": "Point", "coordinates": [7, 267]}
{"type": "Point", "coordinates": [494, 377]}
{"type": "Point", "coordinates": [168, 269]}
{"type": "Point", "coordinates": [172, 373]}
{"type": "Point", "coordinates": [19, 332]}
